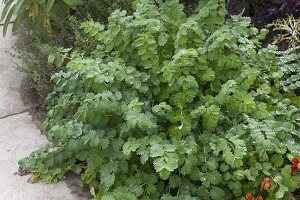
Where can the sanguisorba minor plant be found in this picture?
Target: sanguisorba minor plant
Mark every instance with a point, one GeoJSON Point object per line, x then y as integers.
{"type": "Point", "coordinates": [173, 107]}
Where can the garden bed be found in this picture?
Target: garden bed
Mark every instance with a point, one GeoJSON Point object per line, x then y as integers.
{"type": "Point", "coordinates": [171, 102]}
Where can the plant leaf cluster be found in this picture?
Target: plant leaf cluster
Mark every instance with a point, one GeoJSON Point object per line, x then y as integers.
{"type": "Point", "coordinates": [172, 107]}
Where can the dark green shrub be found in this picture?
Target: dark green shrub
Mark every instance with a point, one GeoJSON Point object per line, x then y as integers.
{"type": "Point", "coordinates": [172, 107]}
{"type": "Point", "coordinates": [37, 84]}
{"type": "Point", "coordinates": [64, 32]}
{"type": "Point", "coordinates": [99, 10]}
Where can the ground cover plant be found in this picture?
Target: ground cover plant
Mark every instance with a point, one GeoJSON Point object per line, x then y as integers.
{"type": "Point", "coordinates": [38, 41]}
{"type": "Point", "coordinates": [168, 107]}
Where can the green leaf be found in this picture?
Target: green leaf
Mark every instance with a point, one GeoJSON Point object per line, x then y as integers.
{"type": "Point", "coordinates": [19, 19]}
{"type": "Point", "coordinates": [217, 193]}
{"type": "Point", "coordinates": [73, 2]}
{"type": "Point", "coordinates": [169, 162]}
{"type": "Point", "coordinates": [162, 39]}
{"type": "Point", "coordinates": [211, 117]}
{"type": "Point", "coordinates": [281, 191]}
{"type": "Point", "coordinates": [164, 174]}
{"type": "Point", "coordinates": [6, 9]}
{"type": "Point", "coordinates": [51, 58]}
{"type": "Point", "coordinates": [157, 150]}
{"type": "Point", "coordinates": [130, 146]}
{"type": "Point", "coordinates": [7, 20]}
{"type": "Point", "coordinates": [108, 197]}
{"type": "Point", "coordinates": [19, 7]}
{"type": "Point", "coordinates": [276, 160]}
{"type": "Point", "coordinates": [49, 4]}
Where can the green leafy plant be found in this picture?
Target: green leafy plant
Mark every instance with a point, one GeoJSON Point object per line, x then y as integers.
{"type": "Point", "coordinates": [290, 62]}
{"type": "Point", "coordinates": [172, 107]}
{"type": "Point", "coordinates": [34, 11]}
{"type": "Point", "coordinates": [100, 10]}
{"type": "Point", "coordinates": [34, 45]}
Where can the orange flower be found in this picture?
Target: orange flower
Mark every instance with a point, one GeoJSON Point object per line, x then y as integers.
{"type": "Point", "coordinates": [267, 183]}
{"type": "Point", "coordinates": [259, 198]}
{"type": "Point", "coordinates": [296, 165]}
{"type": "Point", "coordinates": [249, 197]}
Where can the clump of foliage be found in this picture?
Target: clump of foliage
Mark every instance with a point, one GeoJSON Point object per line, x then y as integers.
{"type": "Point", "coordinates": [35, 65]}
{"type": "Point", "coordinates": [35, 45]}
{"type": "Point", "coordinates": [100, 10]}
{"type": "Point", "coordinates": [290, 63]}
{"type": "Point", "coordinates": [173, 107]}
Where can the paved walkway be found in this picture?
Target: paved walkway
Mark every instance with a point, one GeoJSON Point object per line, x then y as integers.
{"type": "Point", "coordinates": [19, 137]}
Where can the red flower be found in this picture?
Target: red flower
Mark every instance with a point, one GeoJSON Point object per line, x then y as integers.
{"type": "Point", "coordinates": [296, 165]}
{"type": "Point", "coordinates": [249, 197]}
{"type": "Point", "coordinates": [259, 198]}
{"type": "Point", "coordinates": [267, 183]}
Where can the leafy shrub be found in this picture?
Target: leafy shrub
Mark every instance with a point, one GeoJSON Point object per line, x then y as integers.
{"type": "Point", "coordinates": [64, 32]}
{"type": "Point", "coordinates": [37, 84]}
{"type": "Point", "coordinates": [290, 62]}
{"type": "Point", "coordinates": [173, 107]}
{"type": "Point", "coordinates": [100, 10]}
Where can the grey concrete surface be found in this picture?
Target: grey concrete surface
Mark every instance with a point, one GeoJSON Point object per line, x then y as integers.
{"type": "Point", "coordinates": [10, 78]}
{"type": "Point", "coordinates": [19, 136]}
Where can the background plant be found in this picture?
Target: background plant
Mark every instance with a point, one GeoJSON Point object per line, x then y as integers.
{"type": "Point", "coordinates": [35, 45]}
{"type": "Point", "coordinates": [33, 11]}
{"type": "Point", "coordinates": [290, 67]}
{"type": "Point", "coordinates": [289, 30]}
{"type": "Point", "coordinates": [172, 107]}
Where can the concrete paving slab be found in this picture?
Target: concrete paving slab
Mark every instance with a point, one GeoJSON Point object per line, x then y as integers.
{"type": "Point", "coordinates": [18, 138]}
{"type": "Point", "coordinates": [10, 78]}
